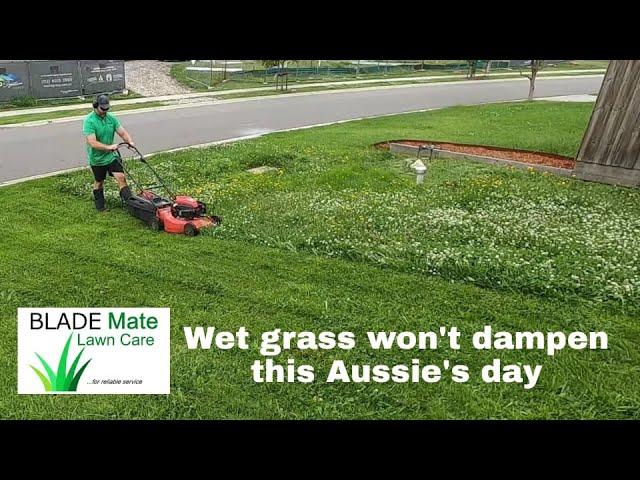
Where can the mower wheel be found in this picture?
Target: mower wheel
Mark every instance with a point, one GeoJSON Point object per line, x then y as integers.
{"type": "Point", "coordinates": [190, 230]}
{"type": "Point", "coordinates": [156, 225]}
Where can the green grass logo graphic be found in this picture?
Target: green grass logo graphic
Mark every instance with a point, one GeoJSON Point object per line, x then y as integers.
{"type": "Point", "coordinates": [62, 381]}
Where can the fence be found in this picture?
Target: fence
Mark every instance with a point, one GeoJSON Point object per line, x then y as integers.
{"type": "Point", "coordinates": [44, 79]}
{"type": "Point", "coordinates": [231, 74]}
{"type": "Point", "coordinates": [239, 74]}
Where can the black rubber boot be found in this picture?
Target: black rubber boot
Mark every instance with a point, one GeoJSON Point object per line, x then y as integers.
{"type": "Point", "coordinates": [125, 194]}
{"type": "Point", "coordinates": [98, 198]}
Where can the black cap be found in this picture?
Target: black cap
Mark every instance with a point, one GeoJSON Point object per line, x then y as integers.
{"type": "Point", "coordinates": [103, 102]}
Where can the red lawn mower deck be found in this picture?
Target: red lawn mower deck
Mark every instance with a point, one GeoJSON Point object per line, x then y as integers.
{"type": "Point", "coordinates": [173, 214]}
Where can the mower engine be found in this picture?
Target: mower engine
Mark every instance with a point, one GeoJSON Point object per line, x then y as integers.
{"type": "Point", "coordinates": [188, 208]}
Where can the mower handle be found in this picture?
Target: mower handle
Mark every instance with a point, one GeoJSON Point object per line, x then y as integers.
{"type": "Point", "coordinates": [131, 147]}
{"type": "Point", "coordinates": [143, 160]}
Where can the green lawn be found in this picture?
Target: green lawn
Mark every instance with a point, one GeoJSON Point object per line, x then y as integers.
{"type": "Point", "coordinates": [578, 64]}
{"type": "Point", "coordinates": [30, 102]}
{"type": "Point", "coordinates": [341, 238]}
{"type": "Point", "coordinates": [199, 80]}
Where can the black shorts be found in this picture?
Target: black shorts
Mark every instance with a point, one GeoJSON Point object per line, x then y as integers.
{"type": "Point", "coordinates": [100, 171]}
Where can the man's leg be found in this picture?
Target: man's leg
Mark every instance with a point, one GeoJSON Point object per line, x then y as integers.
{"type": "Point", "coordinates": [125, 191]}
{"type": "Point", "coordinates": [119, 176]}
{"type": "Point", "coordinates": [117, 172]}
{"type": "Point", "coordinates": [99, 174]}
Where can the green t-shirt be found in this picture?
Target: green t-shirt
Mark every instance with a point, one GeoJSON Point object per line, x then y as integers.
{"type": "Point", "coordinates": [104, 129]}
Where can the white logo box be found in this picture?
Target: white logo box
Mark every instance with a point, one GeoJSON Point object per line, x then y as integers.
{"type": "Point", "coordinates": [128, 349]}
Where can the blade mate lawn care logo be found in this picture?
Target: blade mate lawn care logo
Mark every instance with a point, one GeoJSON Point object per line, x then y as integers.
{"type": "Point", "coordinates": [62, 381]}
{"type": "Point", "coordinates": [93, 350]}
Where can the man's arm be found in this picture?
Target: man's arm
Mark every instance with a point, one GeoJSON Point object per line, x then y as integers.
{"type": "Point", "coordinates": [124, 135]}
{"type": "Point", "coordinates": [93, 143]}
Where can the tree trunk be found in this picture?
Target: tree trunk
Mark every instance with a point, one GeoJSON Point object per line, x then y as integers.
{"type": "Point", "coordinates": [535, 66]}
{"type": "Point", "coordinates": [532, 87]}
{"type": "Point", "coordinates": [472, 68]}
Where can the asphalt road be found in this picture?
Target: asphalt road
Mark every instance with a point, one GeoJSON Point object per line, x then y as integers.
{"type": "Point", "coordinates": [36, 150]}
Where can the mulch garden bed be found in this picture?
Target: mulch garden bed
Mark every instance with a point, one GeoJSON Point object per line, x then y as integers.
{"type": "Point", "coordinates": [523, 156]}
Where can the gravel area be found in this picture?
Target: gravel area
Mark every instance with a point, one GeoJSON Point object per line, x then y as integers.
{"type": "Point", "coordinates": [151, 78]}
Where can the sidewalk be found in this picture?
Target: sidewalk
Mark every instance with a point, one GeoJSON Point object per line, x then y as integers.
{"type": "Point", "coordinates": [297, 87]}
{"type": "Point", "coordinates": [569, 98]}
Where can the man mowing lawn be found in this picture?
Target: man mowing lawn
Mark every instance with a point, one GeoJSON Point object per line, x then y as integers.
{"type": "Point", "coordinates": [99, 128]}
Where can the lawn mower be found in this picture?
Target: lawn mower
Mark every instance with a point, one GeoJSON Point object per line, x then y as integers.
{"type": "Point", "coordinates": [171, 213]}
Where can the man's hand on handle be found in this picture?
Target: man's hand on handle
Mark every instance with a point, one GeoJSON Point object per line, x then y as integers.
{"type": "Point", "coordinates": [113, 147]}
